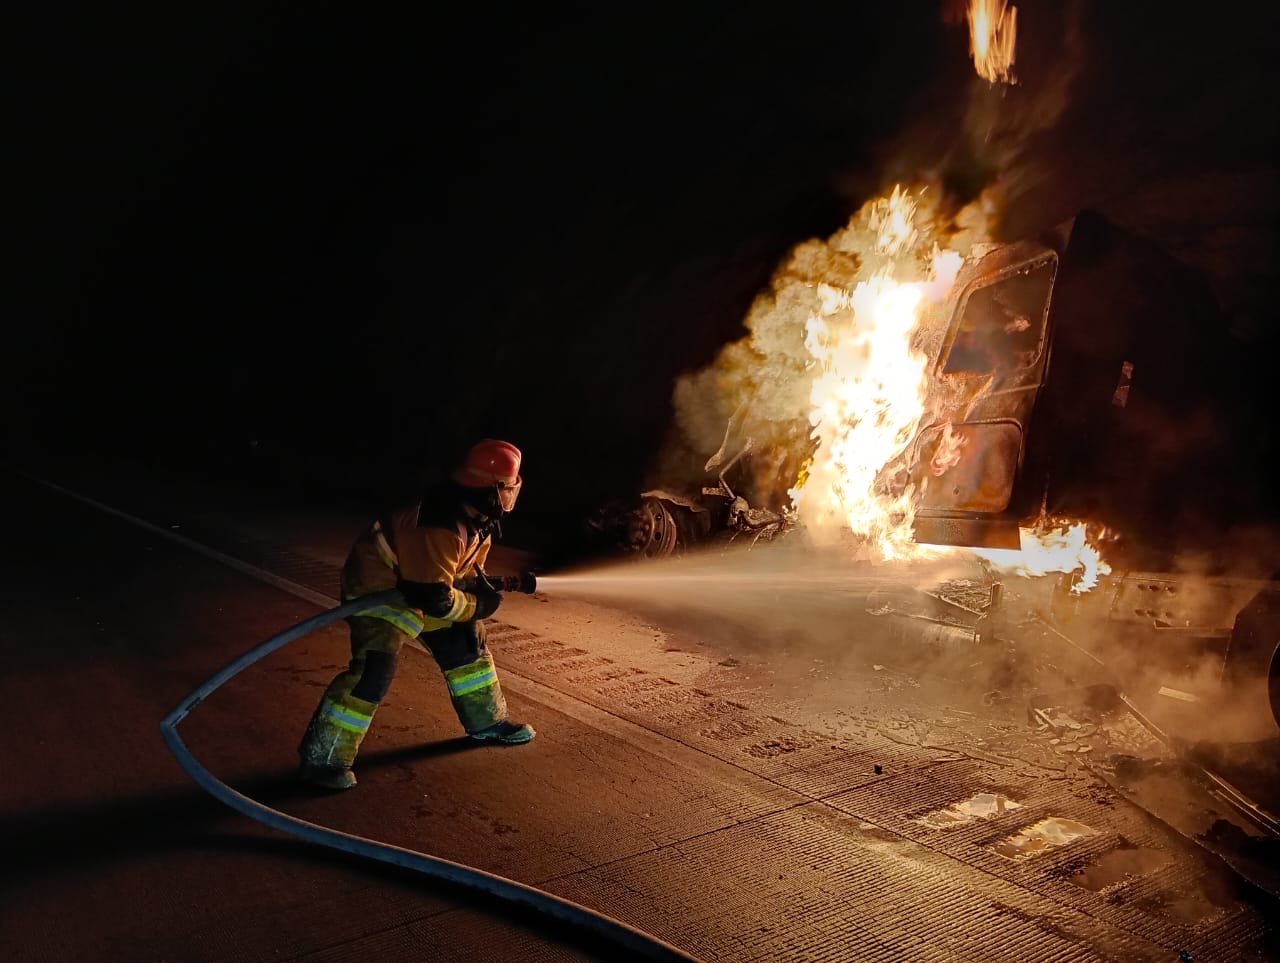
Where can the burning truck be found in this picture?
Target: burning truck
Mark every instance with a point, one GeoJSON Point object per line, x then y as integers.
{"type": "Point", "coordinates": [1076, 390]}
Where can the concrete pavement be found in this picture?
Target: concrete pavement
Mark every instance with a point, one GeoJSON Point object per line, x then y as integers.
{"type": "Point", "coordinates": [738, 837]}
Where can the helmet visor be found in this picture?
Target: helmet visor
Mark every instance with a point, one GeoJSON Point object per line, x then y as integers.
{"type": "Point", "coordinates": [508, 493]}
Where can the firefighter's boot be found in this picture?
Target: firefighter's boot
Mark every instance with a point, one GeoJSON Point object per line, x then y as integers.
{"type": "Point", "coordinates": [333, 738]}
{"type": "Point", "coordinates": [481, 707]}
{"type": "Point", "coordinates": [327, 777]}
{"type": "Point", "coordinates": [506, 731]}
{"type": "Point", "coordinates": [340, 722]}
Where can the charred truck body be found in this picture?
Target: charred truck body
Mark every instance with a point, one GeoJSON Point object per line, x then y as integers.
{"type": "Point", "coordinates": [1086, 375]}
{"type": "Point", "coordinates": [1083, 375]}
{"type": "Point", "coordinates": [1090, 376]}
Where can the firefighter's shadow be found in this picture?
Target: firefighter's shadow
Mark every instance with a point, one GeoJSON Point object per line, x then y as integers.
{"type": "Point", "coordinates": [372, 759]}
{"type": "Point", "coordinates": [56, 839]}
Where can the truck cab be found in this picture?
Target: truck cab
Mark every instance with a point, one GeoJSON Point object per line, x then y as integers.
{"type": "Point", "coordinates": [1086, 374]}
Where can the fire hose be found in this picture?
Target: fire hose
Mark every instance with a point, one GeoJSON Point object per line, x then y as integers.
{"type": "Point", "coordinates": [640, 944]}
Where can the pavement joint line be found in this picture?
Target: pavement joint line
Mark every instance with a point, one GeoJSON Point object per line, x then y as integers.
{"type": "Point", "coordinates": [655, 734]}
{"type": "Point", "coordinates": [823, 801]}
{"type": "Point", "coordinates": [675, 843]}
{"type": "Point", "coordinates": [658, 743]}
{"type": "Point", "coordinates": [524, 681]}
{"type": "Point", "coordinates": [253, 571]}
{"type": "Point", "coordinates": [284, 584]}
{"type": "Point", "coordinates": [318, 598]}
{"type": "Point", "coordinates": [325, 601]}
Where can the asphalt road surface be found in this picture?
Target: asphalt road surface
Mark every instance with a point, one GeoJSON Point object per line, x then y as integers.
{"type": "Point", "coordinates": [680, 802]}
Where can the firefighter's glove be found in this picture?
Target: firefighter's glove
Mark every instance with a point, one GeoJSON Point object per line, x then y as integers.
{"type": "Point", "coordinates": [488, 598]}
{"type": "Point", "coordinates": [434, 598]}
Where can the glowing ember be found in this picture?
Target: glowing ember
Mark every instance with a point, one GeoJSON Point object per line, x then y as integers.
{"type": "Point", "coordinates": [993, 32]}
{"type": "Point", "coordinates": [868, 383]}
{"type": "Point", "coordinates": [1064, 548]}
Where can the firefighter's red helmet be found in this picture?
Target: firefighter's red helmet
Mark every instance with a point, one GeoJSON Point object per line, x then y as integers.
{"type": "Point", "coordinates": [492, 464]}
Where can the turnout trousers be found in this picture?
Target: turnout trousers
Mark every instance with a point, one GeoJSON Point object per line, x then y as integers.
{"type": "Point", "coordinates": [346, 710]}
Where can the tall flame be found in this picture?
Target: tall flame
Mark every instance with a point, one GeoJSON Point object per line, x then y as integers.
{"type": "Point", "coordinates": [993, 35]}
{"type": "Point", "coordinates": [837, 340]}
{"type": "Point", "coordinates": [868, 383]}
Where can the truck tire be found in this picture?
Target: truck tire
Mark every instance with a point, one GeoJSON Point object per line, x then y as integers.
{"type": "Point", "coordinates": [1273, 684]}
{"type": "Point", "coordinates": [1254, 655]}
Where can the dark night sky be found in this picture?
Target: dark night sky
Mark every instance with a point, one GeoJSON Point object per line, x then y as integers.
{"type": "Point", "coordinates": [268, 239]}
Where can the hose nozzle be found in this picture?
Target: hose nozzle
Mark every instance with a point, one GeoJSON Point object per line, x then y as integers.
{"type": "Point", "coordinates": [525, 582]}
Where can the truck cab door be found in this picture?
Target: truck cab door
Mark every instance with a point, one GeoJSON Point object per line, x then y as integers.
{"type": "Point", "coordinates": [991, 365]}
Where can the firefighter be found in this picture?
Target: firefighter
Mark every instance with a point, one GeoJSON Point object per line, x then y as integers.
{"type": "Point", "coordinates": [434, 552]}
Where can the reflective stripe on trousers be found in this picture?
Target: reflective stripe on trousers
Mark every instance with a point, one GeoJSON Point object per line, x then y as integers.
{"type": "Point", "coordinates": [464, 680]}
{"type": "Point", "coordinates": [337, 728]}
{"type": "Point", "coordinates": [347, 717]}
{"type": "Point", "coordinates": [344, 714]}
{"type": "Point", "coordinates": [476, 695]}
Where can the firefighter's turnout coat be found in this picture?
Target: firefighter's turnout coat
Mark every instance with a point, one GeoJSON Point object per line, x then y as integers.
{"type": "Point", "coordinates": [424, 549]}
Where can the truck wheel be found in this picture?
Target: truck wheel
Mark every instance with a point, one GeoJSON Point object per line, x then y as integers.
{"type": "Point", "coordinates": [1273, 684]}
{"type": "Point", "coordinates": [652, 532]}
{"type": "Point", "coordinates": [1254, 655]}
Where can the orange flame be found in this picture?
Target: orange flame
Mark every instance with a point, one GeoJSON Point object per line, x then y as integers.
{"type": "Point", "coordinates": [868, 382]}
{"type": "Point", "coordinates": [993, 35]}
{"type": "Point", "coordinates": [841, 341]}
{"type": "Point", "coordinates": [1065, 547]}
